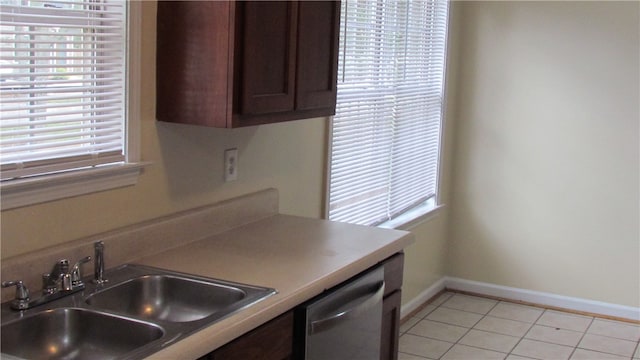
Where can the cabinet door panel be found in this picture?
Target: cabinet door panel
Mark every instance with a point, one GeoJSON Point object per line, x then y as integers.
{"type": "Point", "coordinates": [390, 326]}
{"type": "Point", "coordinates": [318, 27]}
{"type": "Point", "coordinates": [192, 77]}
{"type": "Point", "coordinates": [393, 272]}
{"type": "Point", "coordinates": [271, 341]}
{"type": "Point", "coordinates": [268, 56]}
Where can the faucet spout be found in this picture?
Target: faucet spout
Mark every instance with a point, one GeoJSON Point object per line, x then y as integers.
{"type": "Point", "coordinates": [60, 268]}
{"type": "Point", "coordinates": [57, 279]}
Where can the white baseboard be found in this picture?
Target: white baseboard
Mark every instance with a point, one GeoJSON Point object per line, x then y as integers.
{"type": "Point", "coordinates": [543, 298]}
{"type": "Point", "coordinates": [423, 297]}
{"type": "Point", "coordinates": [517, 294]}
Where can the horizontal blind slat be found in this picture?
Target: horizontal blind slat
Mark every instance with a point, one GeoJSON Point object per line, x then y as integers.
{"type": "Point", "coordinates": [59, 97]}
{"type": "Point", "coordinates": [95, 90]}
{"type": "Point", "coordinates": [27, 107]}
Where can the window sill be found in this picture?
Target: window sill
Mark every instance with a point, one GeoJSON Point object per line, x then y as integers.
{"type": "Point", "coordinates": [23, 192]}
{"type": "Point", "coordinates": [414, 217]}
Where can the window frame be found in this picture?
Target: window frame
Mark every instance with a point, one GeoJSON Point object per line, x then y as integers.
{"type": "Point", "coordinates": [43, 188]}
{"type": "Point", "coordinates": [429, 208]}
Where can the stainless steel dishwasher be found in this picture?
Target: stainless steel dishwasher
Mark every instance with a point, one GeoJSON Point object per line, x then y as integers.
{"type": "Point", "coordinates": [344, 322]}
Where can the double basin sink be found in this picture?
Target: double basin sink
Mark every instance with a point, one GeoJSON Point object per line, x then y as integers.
{"type": "Point", "coordinates": [139, 311]}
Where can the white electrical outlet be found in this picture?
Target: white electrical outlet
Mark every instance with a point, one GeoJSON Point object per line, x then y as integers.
{"type": "Point", "coordinates": [230, 165]}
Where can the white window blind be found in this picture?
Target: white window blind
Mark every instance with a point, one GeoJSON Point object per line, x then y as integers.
{"type": "Point", "coordinates": [62, 85]}
{"type": "Point", "coordinates": [386, 131]}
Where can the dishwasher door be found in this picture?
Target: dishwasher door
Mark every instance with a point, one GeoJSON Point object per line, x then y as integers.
{"type": "Point", "coordinates": [343, 323]}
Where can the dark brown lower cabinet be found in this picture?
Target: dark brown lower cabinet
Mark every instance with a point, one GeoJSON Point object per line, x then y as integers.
{"type": "Point", "coordinates": [393, 270]}
{"type": "Point", "coordinates": [271, 341]}
{"type": "Point", "coordinates": [274, 340]}
{"type": "Point", "coordinates": [390, 326]}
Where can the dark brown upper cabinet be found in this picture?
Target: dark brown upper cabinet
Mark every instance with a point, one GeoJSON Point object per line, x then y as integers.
{"type": "Point", "coordinates": [234, 64]}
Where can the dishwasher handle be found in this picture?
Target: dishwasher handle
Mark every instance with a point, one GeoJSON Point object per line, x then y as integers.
{"type": "Point", "coordinates": [368, 301]}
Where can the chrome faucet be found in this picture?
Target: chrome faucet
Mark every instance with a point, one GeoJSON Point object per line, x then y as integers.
{"type": "Point", "coordinates": [58, 279]}
{"type": "Point", "coordinates": [55, 284]}
{"type": "Point", "coordinates": [98, 263]}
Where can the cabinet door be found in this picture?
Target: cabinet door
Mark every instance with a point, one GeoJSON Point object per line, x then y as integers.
{"type": "Point", "coordinates": [318, 30]}
{"type": "Point", "coordinates": [271, 341]}
{"type": "Point", "coordinates": [193, 62]}
{"type": "Point", "coordinates": [393, 272]}
{"type": "Point", "coordinates": [267, 43]}
{"type": "Point", "coordinates": [390, 326]}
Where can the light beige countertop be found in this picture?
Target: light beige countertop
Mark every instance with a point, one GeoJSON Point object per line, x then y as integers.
{"type": "Point", "coordinates": [299, 257]}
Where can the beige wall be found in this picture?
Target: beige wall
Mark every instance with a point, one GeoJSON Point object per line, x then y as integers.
{"type": "Point", "coordinates": [425, 260]}
{"type": "Point", "coordinates": [546, 175]}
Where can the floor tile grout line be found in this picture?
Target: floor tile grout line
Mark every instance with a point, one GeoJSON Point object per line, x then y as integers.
{"type": "Point", "coordinates": [544, 342]}
{"type": "Point", "coordinates": [468, 330]}
{"type": "Point", "coordinates": [452, 344]}
{"type": "Point", "coordinates": [582, 337]}
{"type": "Point", "coordinates": [445, 323]}
{"type": "Point", "coordinates": [442, 322]}
{"type": "Point", "coordinates": [449, 295]}
{"type": "Point", "coordinates": [432, 338]}
{"type": "Point", "coordinates": [420, 356]}
{"type": "Point", "coordinates": [455, 343]}
{"type": "Point", "coordinates": [555, 327]}
{"type": "Point", "coordinates": [506, 318]}
{"type": "Point", "coordinates": [497, 333]}
{"type": "Point", "coordinates": [411, 327]}
{"type": "Point", "coordinates": [479, 348]}
{"type": "Point", "coordinates": [468, 312]}
{"type": "Point", "coordinates": [603, 352]}
{"type": "Point", "coordinates": [473, 312]}
{"type": "Point", "coordinates": [494, 332]}
{"type": "Point", "coordinates": [608, 337]}
{"type": "Point", "coordinates": [427, 314]}
{"type": "Point", "coordinates": [586, 332]}
{"type": "Point", "coordinates": [600, 352]}
{"type": "Point", "coordinates": [525, 334]}
{"type": "Point", "coordinates": [419, 319]}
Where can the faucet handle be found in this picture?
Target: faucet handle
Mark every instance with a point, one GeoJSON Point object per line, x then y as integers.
{"type": "Point", "coordinates": [76, 272]}
{"type": "Point", "coordinates": [21, 300]}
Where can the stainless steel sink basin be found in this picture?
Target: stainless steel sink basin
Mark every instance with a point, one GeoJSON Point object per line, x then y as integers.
{"type": "Point", "coordinates": [138, 312]}
{"type": "Point", "coordinates": [74, 333]}
{"type": "Point", "coordinates": [168, 298]}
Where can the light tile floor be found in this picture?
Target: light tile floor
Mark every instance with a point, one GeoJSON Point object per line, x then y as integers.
{"type": "Point", "coordinates": [457, 326]}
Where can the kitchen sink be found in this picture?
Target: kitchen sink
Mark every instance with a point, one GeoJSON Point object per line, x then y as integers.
{"type": "Point", "coordinates": [73, 333]}
{"type": "Point", "coordinates": [138, 311]}
{"type": "Point", "coordinates": [168, 298]}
